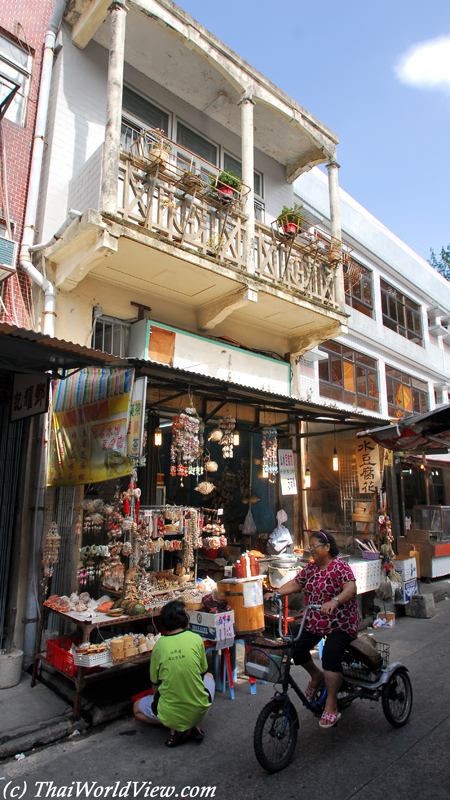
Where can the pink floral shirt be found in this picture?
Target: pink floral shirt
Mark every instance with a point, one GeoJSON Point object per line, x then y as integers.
{"type": "Point", "coordinates": [321, 586]}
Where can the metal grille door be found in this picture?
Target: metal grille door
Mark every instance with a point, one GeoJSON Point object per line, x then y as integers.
{"type": "Point", "coordinates": [10, 446]}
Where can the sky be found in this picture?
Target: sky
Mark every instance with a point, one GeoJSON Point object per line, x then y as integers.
{"type": "Point", "coordinates": [378, 75]}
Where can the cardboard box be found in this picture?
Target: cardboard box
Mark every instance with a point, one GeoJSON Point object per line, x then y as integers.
{"type": "Point", "coordinates": [389, 617]}
{"type": "Point", "coordinates": [406, 568]}
{"type": "Point", "coordinates": [218, 628]}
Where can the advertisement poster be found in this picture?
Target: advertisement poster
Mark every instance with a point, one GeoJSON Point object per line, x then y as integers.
{"type": "Point", "coordinates": [89, 439]}
{"type": "Point", "coordinates": [287, 472]}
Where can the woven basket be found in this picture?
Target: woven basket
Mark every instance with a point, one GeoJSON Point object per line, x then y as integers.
{"type": "Point", "coordinates": [93, 660]}
{"type": "Point", "coordinates": [367, 646]}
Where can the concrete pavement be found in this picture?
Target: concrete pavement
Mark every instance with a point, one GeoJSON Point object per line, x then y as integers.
{"type": "Point", "coordinates": [363, 758]}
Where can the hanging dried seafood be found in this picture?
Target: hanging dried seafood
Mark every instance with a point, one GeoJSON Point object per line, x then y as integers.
{"type": "Point", "coordinates": [211, 466]}
{"type": "Point", "coordinates": [270, 451]}
{"type": "Point", "coordinates": [51, 548]}
{"type": "Point", "coordinates": [215, 435]}
{"type": "Point", "coordinates": [227, 425]}
{"type": "Point", "coordinates": [205, 487]}
{"type": "Point", "coordinates": [185, 447]}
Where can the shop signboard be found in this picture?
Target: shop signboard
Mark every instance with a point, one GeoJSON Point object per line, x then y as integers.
{"type": "Point", "coordinates": [90, 421]}
{"type": "Point", "coordinates": [368, 465]}
{"type": "Point", "coordinates": [137, 413]}
{"type": "Point", "coordinates": [30, 396]}
{"type": "Point", "coordinates": [287, 472]}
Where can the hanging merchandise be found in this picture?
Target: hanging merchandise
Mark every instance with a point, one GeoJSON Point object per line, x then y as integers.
{"type": "Point", "coordinates": [186, 443]}
{"type": "Point", "coordinates": [51, 548]}
{"type": "Point", "coordinates": [270, 460]}
{"type": "Point", "coordinates": [227, 425]}
{"type": "Point", "coordinates": [205, 487]}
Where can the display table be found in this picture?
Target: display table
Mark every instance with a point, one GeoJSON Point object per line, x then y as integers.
{"type": "Point", "coordinates": [87, 625]}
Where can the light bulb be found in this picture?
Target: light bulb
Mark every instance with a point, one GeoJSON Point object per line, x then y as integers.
{"type": "Point", "coordinates": [236, 440]}
{"type": "Point", "coordinates": [335, 461]}
{"type": "Point", "coordinates": [307, 479]}
{"type": "Point", "coordinates": [158, 437]}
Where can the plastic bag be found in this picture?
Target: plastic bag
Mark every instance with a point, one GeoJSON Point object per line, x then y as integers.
{"type": "Point", "coordinates": [280, 538]}
{"type": "Point", "coordinates": [384, 591]}
{"type": "Point", "coordinates": [249, 526]}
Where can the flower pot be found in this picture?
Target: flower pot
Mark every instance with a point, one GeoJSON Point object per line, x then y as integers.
{"type": "Point", "coordinates": [289, 227]}
{"type": "Point", "coordinates": [11, 669]}
{"type": "Point", "coordinates": [227, 191]}
{"type": "Point", "coordinates": [159, 152]}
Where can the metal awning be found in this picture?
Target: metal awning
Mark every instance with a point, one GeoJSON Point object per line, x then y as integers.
{"type": "Point", "coordinates": [173, 379]}
{"type": "Point", "coordinates": [427, 434]}
{"type": "Point", "coordinates": [30, 352]}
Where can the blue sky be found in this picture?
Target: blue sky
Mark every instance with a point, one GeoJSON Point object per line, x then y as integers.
{"type": "Point", "coordinates": [340, 60]}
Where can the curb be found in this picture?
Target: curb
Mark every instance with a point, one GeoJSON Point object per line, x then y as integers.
{"type": "Point", "coordinates": [41, 735]}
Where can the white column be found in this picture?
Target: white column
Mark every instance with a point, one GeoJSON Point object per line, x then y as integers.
{"type": "Point", "coordinates": [246, 104]}
{"type": "Point", "coordinates": [335, 225]}
{"type": "Point", "coordinates": [111, 148]}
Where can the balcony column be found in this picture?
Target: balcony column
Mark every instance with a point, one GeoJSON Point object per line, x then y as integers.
{"type": "Point", "coordinates": [335, 225]}
{"type": "Point", "coordinates": [246, 103]}
{"type": "Point", "coordinates": [111, 148]}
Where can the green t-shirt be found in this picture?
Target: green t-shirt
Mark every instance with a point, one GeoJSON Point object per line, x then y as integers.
{"type": "Point", "coordinates": [177, 664]}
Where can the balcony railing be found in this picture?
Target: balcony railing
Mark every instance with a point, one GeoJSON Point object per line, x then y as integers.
{"type": "Point", "coordinates": [177, 195]}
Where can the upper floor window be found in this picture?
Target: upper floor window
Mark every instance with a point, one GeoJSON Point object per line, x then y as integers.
{"type": "Point", "coordinates": [111, 335]}
{"type": "Point", "coordinates": [196, 143]}
{"type": "Point", "coordinates": [348, 376]}
{"type": "Point", "coordinates": [235, 166]}
{"type": "Point", "coordinates": [359, 291]}
{"type": "Point", "coordinates": [15, 69]}
{"type": "Point", "coordinates": [406, 395]}
{"type": "Point", "coordinates": [138, 115]}
{"type": "Point", "coordinates": [401, 314]}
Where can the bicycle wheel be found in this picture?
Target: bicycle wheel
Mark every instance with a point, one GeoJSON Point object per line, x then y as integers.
{"type": "Point", "coordinates": [275, 734]}
{"type": "Point", "coordinates": [396, 698]}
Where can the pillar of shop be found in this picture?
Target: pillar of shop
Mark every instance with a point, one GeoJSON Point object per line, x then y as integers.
{"type": "Point", "coordinates": [111, 148]}
{"type": "Point", "coordinates": [248, 172]}
{"type": "Point", "coordinates": [335, 225]}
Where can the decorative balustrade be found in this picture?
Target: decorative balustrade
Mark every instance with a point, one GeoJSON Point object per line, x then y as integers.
{"type": "Point", "coordinates": [179, 197]}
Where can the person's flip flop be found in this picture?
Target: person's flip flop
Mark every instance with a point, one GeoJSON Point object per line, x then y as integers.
{"type": "Point", "coordinates": [197, 734]}
{"type": "Point", "coordinates": [329, 719]}
{"type": "Point", "coordinates": [179, 737]}
{"type": "Point", "coordinates": [310, 691]}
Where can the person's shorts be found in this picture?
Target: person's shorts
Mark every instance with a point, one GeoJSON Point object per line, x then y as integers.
{"type": "Point", "coordinates": [145, 703]}
{"type": "Point", "coordinates": [334, 648]}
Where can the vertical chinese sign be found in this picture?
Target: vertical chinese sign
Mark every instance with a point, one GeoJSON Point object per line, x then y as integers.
{"type": "Point", "coordinates": [30, 396]}
{"type": "Point", "coordinates": [90, 421]}
{"type": "Point", "coordinates": [368, 465]}
{"type": "Point", "coordinates": [137, 417]}
{"type": "Point", "coordinates": [287, 472]}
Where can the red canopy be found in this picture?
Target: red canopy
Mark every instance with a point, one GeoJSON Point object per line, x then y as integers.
{"type": "Point", "coordinates": [423, 433]}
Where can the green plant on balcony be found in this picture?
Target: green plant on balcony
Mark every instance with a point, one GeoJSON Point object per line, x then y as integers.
{"type": "Point", "coordinates": [290, 219]}
{"type": "Point", "coordinates": [228, 183]}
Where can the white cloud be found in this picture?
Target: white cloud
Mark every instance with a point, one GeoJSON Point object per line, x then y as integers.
{"type": "Point", "coordinates": [426, 64]}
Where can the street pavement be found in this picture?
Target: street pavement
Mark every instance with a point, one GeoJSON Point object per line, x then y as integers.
{"type": "Point", "coordinates": [363, 758]}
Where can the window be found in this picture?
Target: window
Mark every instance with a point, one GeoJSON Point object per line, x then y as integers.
{"type": "Point", "coordinates": [196, 143]}
{"type": "Point", "coordinates": [359, 294]}
{"type": "Point", "coordinates": [235, 166]}
{"type": "Point", "coordinates": [143, 114]}
{"type": "Point", "coordinates": [348, 376]}
{"type": "Point", "coordinates": [406, 395]}
{"type": "Point", "coordinates": [111, 335]}
{"type": "Point", "coordinates": [401, 314]}
{"type": "Point", "coordinates": [15, 68]}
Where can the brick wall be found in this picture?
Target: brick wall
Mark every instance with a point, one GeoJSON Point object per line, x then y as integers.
{"type": "Point", "coordinates": [25, 22]}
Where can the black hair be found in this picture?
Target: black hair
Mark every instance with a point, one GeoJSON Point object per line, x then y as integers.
{"type": "Point", "coordinates": [326, 538]}
{"type": "Point", "coordinates": [174, 616]}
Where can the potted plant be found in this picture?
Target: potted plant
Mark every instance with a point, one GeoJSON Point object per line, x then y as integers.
{"type": "Point", "coordinates": [290, 219]}
{"type": "Point", "coordinates": [228, 183]}
{"type": "Point", "coordinates": [159, 146]}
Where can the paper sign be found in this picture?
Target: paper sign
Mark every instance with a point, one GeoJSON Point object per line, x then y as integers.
{"type": "Point", "coordinates": [253, 594]}
{"type": "Point", "coordinates": [368, 465]}
{"type": "Point", "coordinates": [287, 472]}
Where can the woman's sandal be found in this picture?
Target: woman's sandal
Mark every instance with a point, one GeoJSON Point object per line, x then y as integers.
{"type": "Point", "coordinates": [311, 690]}
{"type": "Point", "coordinates": [197, 734]}
{"type": "Point", "coordinates": [329, 719]}
{"type": "Point", "coordinates": [179, 737]}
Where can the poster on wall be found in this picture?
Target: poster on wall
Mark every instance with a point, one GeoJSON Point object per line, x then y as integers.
{"type": "Point", "coordinates": [90, 421]}
{"type": "Point", "coordinates": [368, 465]}
{"type": "Point", "coordinates": [287, 472]}
{"type": "Point", "coordinates": [137, 414]}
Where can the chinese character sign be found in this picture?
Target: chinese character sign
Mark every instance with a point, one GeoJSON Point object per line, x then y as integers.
{"type": "Point", "coordinates": [368, 465]}
{"type": "Point", "coordinates": [137, 411]}
{"type": "Point", "coordinates": [30, 396]}
{"type": "Point", "coordinates": [287, 472]}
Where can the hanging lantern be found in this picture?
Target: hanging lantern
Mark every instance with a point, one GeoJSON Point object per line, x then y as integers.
{"type": "Point", "coordinates": [236, 439]}
{"type": "Point", "coordinates": [158, 437]}
{"type": "Point", "coordinates": [307, 479]}
{"type": "Point", "coordinates": [335, 461]}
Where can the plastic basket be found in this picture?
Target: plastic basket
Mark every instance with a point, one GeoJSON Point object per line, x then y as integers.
{"type": "Point", "coordinates": [268, 660]}
{"type": "Point", "coordinates": [353, 665]}
{"type": "Point", "coordinates": [93, 660]}
{"type": "Point", "coordinates": [369, 556]}
{"type": "Point", "coordinates": [58, 655]}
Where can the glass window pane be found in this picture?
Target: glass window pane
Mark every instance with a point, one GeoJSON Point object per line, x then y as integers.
{"type": "Point", "coordinates": [361, 386]}
{"type": "Point", "coordinates": [330, 345]}
{"type": "Point", "coordinates": [324, 374]}
{"type": "Point", "coordinates": [13, 51]}
{"type": "Point", "coordinates": [150, 115]}
{"type": "Point", "coordinates": [349, 377]}
{"type": "Point", "coordinates": [336, 371]}
{"type": "Point", "coordinates": [372, 384]}
{"type": "Point", "coordinates": [107, 342]}
{"type": "Point", "coordinates": [233, 165]}
{"type": "Point", "coordinates": [367, 291]}
{"type": "Point", "coordinates": [196, 143]}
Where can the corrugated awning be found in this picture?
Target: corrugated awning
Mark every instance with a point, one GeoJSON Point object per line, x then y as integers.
{"type": "Point", "coordinates": [27, 351]}
{"type": "Point", "coordinates": [423, 433]}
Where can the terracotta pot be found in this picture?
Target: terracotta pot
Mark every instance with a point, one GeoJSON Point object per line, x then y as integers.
{"type": "Point", "coordinates": [159, 152]}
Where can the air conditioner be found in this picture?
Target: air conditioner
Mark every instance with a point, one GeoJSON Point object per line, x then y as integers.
{"type": "Point", "coordinates": [8, 254]}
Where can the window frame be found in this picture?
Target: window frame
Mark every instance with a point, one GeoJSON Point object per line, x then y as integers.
{"type": "Point", "coordinates": [353, 301]}
{"type": "Point", "coordinates": [406, 382]}
{"type": "Point", "coordinates": [259, 204]}
{"type": "Point", "coordinates": [202, 136]}
{"type": "Point", "coordinates": [122, 324]}
{"type": "Point", "coordinates": [336, 389]}
{"type": "Point", "coordinates": [127, 118]}
{"type": "Point", "coordinates": [395, 302]}
{"type": "Point", "coordinates": [24, 90]}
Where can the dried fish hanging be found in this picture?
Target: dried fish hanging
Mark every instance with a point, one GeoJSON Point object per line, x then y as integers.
{"type": "Point", "coordinates": [51, 549]}
{"type": "Point", "coordinates": [227, 425]}
{"type": "Point", "coordinates": [190, 530]}
{"type": "Point", "coordinates": [185, 447]}
{"type": "Point", "coordinates": [270, 449]}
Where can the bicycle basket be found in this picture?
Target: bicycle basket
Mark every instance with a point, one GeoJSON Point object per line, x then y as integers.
{"type": "Point", "coordinates": [268, 660]}
{"type": "Point", "coordinates": [356, 664]}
